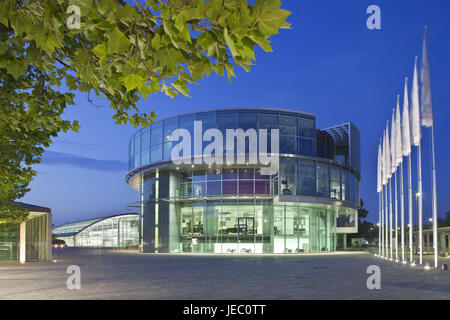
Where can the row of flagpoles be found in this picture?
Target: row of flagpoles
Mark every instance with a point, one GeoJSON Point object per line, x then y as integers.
{"type": "Point", "coordinates": [396, 145]}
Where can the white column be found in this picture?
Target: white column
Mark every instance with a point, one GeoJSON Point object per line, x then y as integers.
{"type": "Point", "coordinates": [22, 242]}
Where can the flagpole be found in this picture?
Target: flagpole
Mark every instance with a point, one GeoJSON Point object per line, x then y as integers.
{"type": "Point", "coordinates": [386, 218]}
{"type": "Point", "coordinates": [382, 221]}
{"type": "Point", "coordinates": [396, 217]}
{"type": "Point", "coordinates": [379, 223]}
{"type": "Point", "coordinates": [419, 191]}
{"type": "Point", "coordinates": [416, 134]}
{"type": "Point", "coordinates": [435, 217]}
{"type": "Point", "coordinates": [427, 121]}
{"type": "Point", "coordinates": [402, 212]}
{"type": "Point", "coordinates": [391, 251]}
{"type": "Point", "coordinates": [410, 209]}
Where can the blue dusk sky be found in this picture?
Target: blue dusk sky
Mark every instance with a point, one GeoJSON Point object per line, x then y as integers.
{"type": "Point", "coordinates": [328, 64]}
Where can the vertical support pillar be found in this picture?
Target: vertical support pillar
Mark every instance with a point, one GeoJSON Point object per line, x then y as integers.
{"type": "Point", "coordinates": [156, 210]}
{"type": "Point", "coordinates": [444, 244]}
{"type": "Point", "coordinates": [49, 255]}
{"type": "Point", "coordinates": [22, 242]}
{"type": "Point", "coordinates": [416, 243]}
{"type": "Point", "coordinates": [345, 241]}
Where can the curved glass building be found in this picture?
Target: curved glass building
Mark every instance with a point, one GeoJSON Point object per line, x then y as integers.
{"type": "Point", "coordinates": [117, 231]}
{"type": "Point", "coordinates": [307, 205]}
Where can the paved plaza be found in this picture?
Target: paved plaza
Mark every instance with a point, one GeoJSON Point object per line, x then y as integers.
{"type": "Point", "coordinates": [128, 275]}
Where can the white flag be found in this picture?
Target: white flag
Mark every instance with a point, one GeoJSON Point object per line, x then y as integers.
{"type": "Point", "coordinates": [379, 188]}
{"type": "Point", "coordinates": [388, 154]}
{"type": "Point", "coordinates": [393, 144]}
{"type": "Point", "coordinates": [425, 79]}
{"type": "Point", "coordinates": [415, 109]}
{"type": "Point", "coordinates": [406, 132]}
{"type": "Point", "coordinates": [398, 134]}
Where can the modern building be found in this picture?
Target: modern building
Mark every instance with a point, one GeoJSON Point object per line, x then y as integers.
{"type": "Point", "coordinates": [31, 240]}
{"type": "Point", "coordinates": [443, 234]}
{"type": "Point", "coordinates": [236, 207]}
{"type": "Point", "coordinates": [117, 231]}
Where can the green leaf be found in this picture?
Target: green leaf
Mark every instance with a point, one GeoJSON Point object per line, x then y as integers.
{"type": "Point", "coordinates": [269, 16]}
{"type": "Point", "coordinates": [118, 42]}
{"type": "Point", "coordinates": [101, 51]}
{"type": "Point", "coordinates": [180, 85]}
{"type": "Point", "coordinates": [145, 91]}
{"type": "Point", "coordinates": [156, 42]}
{"type": "Point", "coordinates": [180, 22]}
{"type": "Point", "coordinates": [132, 81]}
{"type": "Point", "coordinates": [168, 91]}
{"type": "Point", "coordinates": [230, 71]}
{"type": "Point", "coordinates": [230, 43]}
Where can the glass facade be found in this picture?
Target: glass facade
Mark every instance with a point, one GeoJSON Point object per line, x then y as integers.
{"type": "Point", "coordinates": [9, 244]}
{"type": "Point", "coordinates": [36, 240]}
{"type": "Point", "coordinates": [235, 208]}
{"type": "Point", "coordinates": [153, 144]}
{"type": "Point", "coordinates": [253, 226]}
{"type": "Point", "coordinates": [112, 232]}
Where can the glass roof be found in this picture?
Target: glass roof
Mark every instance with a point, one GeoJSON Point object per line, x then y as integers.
{"type": "Point", "coordinates": [74, 227]}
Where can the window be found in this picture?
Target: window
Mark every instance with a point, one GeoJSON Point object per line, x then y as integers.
{"type": "Point", "coordinates": [288, 145]}
{"type": "Point", "coordinates": [288, 126]}
{"type": "Point", "coordinates": [288, 181]}
{"type": "Point", "coordinates": [262, 187]}
{"type": "Point", "coordinates": [306, 128]}
{"type": "Point", "coordinates": [149, 188]}
{"type": "Point", "coordinates": [214, 188]}
{"type": "Point", "coordinates": [214, 175]}
{"type": "Point", "coordinates": [145, 138]}
{"type": "Point", "coordinates": [137, 143]}
{"type": "Point", "coordinates": [248, 122]}
{"type": "Point", "coordinates": [267, 121]}
{"type": "Point", "coordinates": [228, 174]}
{"type": "Point", "coordinates": [307, 178]}
{"type": "Point", "coordinates": [246, 187]}
{"type": "Point", "coordinates": [323, 180]}
{"type": "Point", "coordinates": [199, 189]}
{"type": "Point", "coordinates": [156, 137]}
{"type": "Point", "coordinates": [226, 122]}
{"type": "Point", "coordinates": [306, 147]}
{"type": "Point", "coordinates": [229, 187]}
{"type": "Point", "coordinates": [187, 122]}
{"type": "Point", "coordinates": [169, 126]}
{"type": "Point", "coordinates": [145, 157]}
{"type": "Point", "coordinates": [156, 153]}
{"type": "Point", "coordinates": [335, 182]}
{"type": "Point", "coordinates": [246, 173]}
{"type": "Point", "coordinates": [167, 152]}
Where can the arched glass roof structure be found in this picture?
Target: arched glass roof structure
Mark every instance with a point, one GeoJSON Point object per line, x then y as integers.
{"type": "Point", "coordinates": [121, 230]}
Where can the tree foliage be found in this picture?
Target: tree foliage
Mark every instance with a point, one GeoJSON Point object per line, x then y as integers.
{"type": "Point", "coordinates": [120, 52]}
